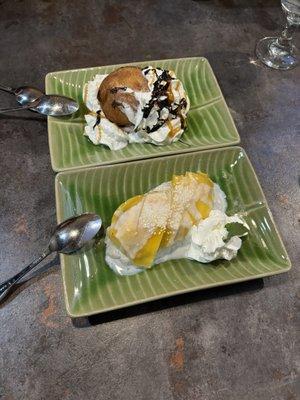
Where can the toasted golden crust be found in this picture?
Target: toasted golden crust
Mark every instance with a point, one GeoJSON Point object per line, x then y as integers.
{"type": "Point", "coordinates": [110, 97]}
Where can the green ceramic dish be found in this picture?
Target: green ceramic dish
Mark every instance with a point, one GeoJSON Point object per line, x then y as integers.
{"type": "Point", "coordinates": [91, 287]}
{"type": "Point", "coordinates": [209, 123]}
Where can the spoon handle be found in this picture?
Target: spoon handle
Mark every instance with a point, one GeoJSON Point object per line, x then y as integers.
{"type": "Point", "coordinates": [6, 286]}
{"type": "Point", "coordinates": [6, 89]}
{"type": "Point", "coordinates": [5, 110]}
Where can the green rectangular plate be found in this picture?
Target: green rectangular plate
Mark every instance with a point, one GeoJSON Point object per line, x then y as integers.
{"type": "Point", "coordinates": [91, 287]}
{"type": "Point", "coordinates": [209, 123]}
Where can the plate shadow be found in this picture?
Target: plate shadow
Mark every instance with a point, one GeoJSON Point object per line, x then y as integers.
{"type": "Point", "coordinates": [174, 301]}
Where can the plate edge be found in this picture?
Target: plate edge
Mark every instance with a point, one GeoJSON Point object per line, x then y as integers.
{"type": "Point", "coordinates": [148, 159]}
{"type": "Point", "coordinates": [48, 75]}
{"type": "Point", "coordinates": [61, 260]}
{"type": "Point", "coordinates": [225, 102]}
{"type": "Point", "coordinates": [141, 158]}
{"type": "Point", "coordinates": [269, 211]}
{"type": "Point", "coordinates": [183, 291]}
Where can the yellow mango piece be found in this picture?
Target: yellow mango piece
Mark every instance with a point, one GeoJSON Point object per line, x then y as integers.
{"type": "Point", "coordinates": [130, 203]}
{"type": "Point", "coordinates": [182, 232]}
{"type": "Point", "coordinates": [126, 206]}
{"type": "Point", "coordinates": [192, 218]}
{"type": "Point", "coordinates": [200, 177]}
{"type": "Point", "coordinates": [177, 179]}
{"type": "Point", "coordinates": [145, 256]}
{"type": "Point", "coordinates": [166, 237]}
{"type": "Point", "coordinates": [111, 232]}
{"type": "Point", "coordinates": [203, 208]}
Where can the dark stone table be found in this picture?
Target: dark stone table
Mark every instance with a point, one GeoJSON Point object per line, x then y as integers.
{"type": "Point", "coordinates": [231, 343]}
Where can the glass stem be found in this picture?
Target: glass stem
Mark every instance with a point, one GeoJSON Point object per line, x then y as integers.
{"type": "Point", "coordinates": [285, 40]}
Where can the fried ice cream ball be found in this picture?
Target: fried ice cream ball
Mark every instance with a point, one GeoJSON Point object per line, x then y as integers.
{"type": "Point", "coordinates": [112, 93]}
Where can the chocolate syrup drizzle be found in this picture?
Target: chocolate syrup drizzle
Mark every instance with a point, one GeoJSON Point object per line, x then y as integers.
{"type": "Point", "coordinates": [160, 99]}
{"type": "Point", "coordinates": [98, 120]}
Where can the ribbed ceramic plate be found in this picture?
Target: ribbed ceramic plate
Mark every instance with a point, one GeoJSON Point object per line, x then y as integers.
{"type": "Point", "coordinates": [209, 121]}
{"type": "Point", "coordinates": [91, 287]}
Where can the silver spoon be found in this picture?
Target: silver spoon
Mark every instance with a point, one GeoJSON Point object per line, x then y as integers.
{"type": "Point", "coordinates": [54, 105]}
{"type": "Point", "coordinates": [24, 94]}
{"type": "Point", "coordinates": [69, 236]}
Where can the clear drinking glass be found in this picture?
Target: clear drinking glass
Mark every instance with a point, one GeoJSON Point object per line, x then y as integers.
{"type": "Point", "coordinates": [279, 52]}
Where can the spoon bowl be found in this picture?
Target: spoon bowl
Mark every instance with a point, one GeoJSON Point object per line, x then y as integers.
{"type": "Point", "coordinates": [69, 236]}
{"type": "Point", "coordinates": [24, 94]}
{"type": "Point", "coordinates": [74, 233]}
{"type": "Point", "coordinates": [55, 106]}
{"type": "Point", "coordinates": [47, 104]}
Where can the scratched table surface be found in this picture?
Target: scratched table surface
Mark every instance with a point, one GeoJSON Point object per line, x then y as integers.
{"type": "Point", "coordinates": [230, 343]}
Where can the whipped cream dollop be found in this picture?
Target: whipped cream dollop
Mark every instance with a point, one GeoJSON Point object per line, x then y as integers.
{"type": "Point", "coordinates": [157, 119]}
{"type": "Point", "coordinates": [208, 240]}
{"type": "Point", "coordinates": [205, 242]}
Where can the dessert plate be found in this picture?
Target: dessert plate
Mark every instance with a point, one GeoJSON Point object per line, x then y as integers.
{"type": "Point", "coordinates": [91, 287]}
{"type": "Point", "coordinates": [209, 123]}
